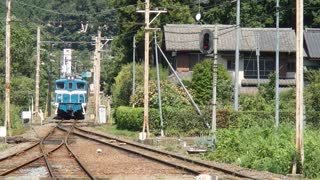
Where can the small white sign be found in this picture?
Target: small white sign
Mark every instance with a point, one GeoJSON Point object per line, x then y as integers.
{"type": "Point", "coordinates": [26, 115]}
{"type": "Point", "coordinates": [142, 136]}
{"type": "Point", "coordinates": [3, 131]}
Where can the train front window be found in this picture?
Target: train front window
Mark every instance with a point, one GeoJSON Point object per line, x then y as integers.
{"type": "Point", "coordinates": [60, 85]}
{"type": "Point", "coordinates": [70, 85]}
{"type": "Point", "coordinates": [80, 85]}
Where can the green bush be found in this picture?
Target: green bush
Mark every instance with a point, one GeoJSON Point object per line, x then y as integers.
{"type": "Point", "coordinates": [15, 112]}
{"type": "Point", "coordinates": [171, 95]}
{"type": "Point", "coordinates": [129, 118]}
{"type": "Point", "coordinates": [266, 149]}
{"type": "Point", "coordinates": [312, 98]}
{"type": "Point", "coordinates": [177, 121]}
{"type": "Point", "coordinates": [202, 83]}
{"type": "Point", "coordinates": [311, 152]}
{"type": "Point", "coordinates": [258, 148]}
{"type": "Point", "coordinates": [122, 89]}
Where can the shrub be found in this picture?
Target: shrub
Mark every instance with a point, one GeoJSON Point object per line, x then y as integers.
{"type": "Point", "coordinates": [258, 148]}
{"type": "Point", "coordinates": [129, 118]}
{"type": "Point", "coordinates": [266, 149]}
{"type": "Point", "coordinates": [15, 118]}
{"type": "Point", "coordinates": [177, 121]}
{"type": "Point", "coordinates": [122, 89]}
{"type": "Point", "coordinates": [312, 151]}
{"type": "Point", "coordinates": [171, 95]}
{"type": "Point", "coordinates": [312, 98]}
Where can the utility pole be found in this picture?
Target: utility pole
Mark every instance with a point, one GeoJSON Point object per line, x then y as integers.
{"type": "Point", "coordinates": [97, 70]}
{"type": "Point", "coordinates": [134, 66]}
{"type": "Point", "coordinates": [97, 76]}
{"type": "Point", "coordinates": [37, 78]}
{"type": "Point", "coordinates": [299, 150]}
{"type": "Point", "coordinates": [146, 62]}
{"type": "Point", "coordinates": [50, 79]}
{"type": "Point", "coordinates": [277, 68]}
{"type": "Point", "coordinates": [7, 122]}
{"type": "Point", "coordinates": [214, 84]}
{"type": "Point", "coordinates": [146, 69]}
{"type": "Point", "coordinates": [236, 81]}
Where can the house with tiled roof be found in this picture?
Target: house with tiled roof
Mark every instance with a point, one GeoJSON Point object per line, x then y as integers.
{"type": "Point", "coordinates": [182, 46]}
{"type": "Point", "coordinates": [312, 48]}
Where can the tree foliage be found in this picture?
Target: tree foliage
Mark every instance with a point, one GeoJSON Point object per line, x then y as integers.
{"type": "Point", "coordinates": [202, 83]}
{"type": "Point", "coordinates": [171, 95]}
{"type": "Point", "coordinates": [122, 88]}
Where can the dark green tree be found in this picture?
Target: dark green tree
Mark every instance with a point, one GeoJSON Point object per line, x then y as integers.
{"type": "Point", "coordinates": [202, 83]}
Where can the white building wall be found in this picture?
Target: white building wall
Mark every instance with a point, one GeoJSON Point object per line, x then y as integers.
{"type": "Point", "coordinates": [224, 62]}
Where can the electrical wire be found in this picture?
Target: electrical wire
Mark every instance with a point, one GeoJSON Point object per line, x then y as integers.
{"type": "Point", "coordinates": [74, 14]}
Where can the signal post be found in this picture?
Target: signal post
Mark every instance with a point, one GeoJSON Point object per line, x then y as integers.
{"type": "Point", "coordinates": [208, 43]}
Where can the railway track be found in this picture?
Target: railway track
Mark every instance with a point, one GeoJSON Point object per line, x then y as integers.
{"type": "Point", "coordinates": [57, 160]}
{"type": "Point", "coordinates": [189, 165]}
{"type": "Point", "coordinates": [54, 155]}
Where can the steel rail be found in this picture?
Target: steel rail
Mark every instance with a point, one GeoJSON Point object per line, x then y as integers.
{"type": "Point", "coordinates": [20, 152]}
{"type": "Point", "coordinates": [190, 170]}
{"type": "Point", "coordinates": [36, 158]}
{"type": "Point", "coordinates": [171, 154]}
{"type": "Point", "coordinates": [30, 161]}
{"type": "Point", "coordinates": [76, 158]}
{"type": "Point", "coordinates": [136, 152]}
{"type": "Point", "coordinates": [45, 155]}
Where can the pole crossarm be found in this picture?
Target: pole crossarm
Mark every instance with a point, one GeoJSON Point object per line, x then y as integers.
{"type": "Point", "coordinates": [152, 11]}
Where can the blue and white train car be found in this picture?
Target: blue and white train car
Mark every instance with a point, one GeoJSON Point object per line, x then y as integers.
{"type": "Point", "coordinates": [71, 96]}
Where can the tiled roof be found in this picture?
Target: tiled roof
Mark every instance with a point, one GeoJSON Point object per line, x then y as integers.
{"type": "Point", "coordinates": [186, 38]}
{"type": "Point", "coordinates": [312, 39]}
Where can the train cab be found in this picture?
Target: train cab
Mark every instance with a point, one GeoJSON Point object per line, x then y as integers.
{"type": "Point", "coordinates": [70, 97]}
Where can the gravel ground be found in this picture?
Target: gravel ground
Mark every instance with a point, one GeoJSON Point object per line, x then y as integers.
{"type": "Point", "coordinates": [245, 171]}
{"type": "Point", "coordinates": [111, 162]}
{"type": "Point", "coordinates": [32, 135]}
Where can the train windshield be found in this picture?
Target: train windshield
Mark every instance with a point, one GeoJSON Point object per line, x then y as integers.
{"type": "Point", "coordinates": [60, 85]}
{"type": "Point", "coordinates": [70, 85]}
{"type": "Point", "coordinates": [80, 85]}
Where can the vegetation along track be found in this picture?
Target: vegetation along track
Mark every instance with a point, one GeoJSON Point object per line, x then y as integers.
{"type": "Point", "coordinates": [59, 160]}
{"type": "Point", "coordinates": [192, 166]}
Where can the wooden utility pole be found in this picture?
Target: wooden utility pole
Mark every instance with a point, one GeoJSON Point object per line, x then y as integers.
{"type": "Point", "coordinates": [37, 78]}
{"type": "Point", "coordinates": [299, 151]}
{"type": "Point", "coordinates": [97, 76]}
{"type": "Point", "coordinates": [7, 121]}
{"type": "Point", "coordinates": [97, 71]}
{"type": "Point", "coordinates": [146, 69]}
{"type": "Point", "coordinates": [146, 62]}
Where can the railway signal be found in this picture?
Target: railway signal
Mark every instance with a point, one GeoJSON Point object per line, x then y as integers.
{"type": "Point", "coordinates": [206, 41]}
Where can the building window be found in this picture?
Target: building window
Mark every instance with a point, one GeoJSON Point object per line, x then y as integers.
{"type": "Point", "coordinates": [230, 65]}
{"type": "Point", "coordinates": [291, 67]}
{"type": "Point", "coordinates": [266, 66]}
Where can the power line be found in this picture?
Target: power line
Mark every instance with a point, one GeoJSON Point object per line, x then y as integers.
{"type": "Point", "coordinates": [74, 14]}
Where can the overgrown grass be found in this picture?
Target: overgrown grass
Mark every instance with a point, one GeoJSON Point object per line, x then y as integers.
{"type": "Point", "coordinates": [267, 149]}
{"type": "Point", "coordinates": [112, 129]}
